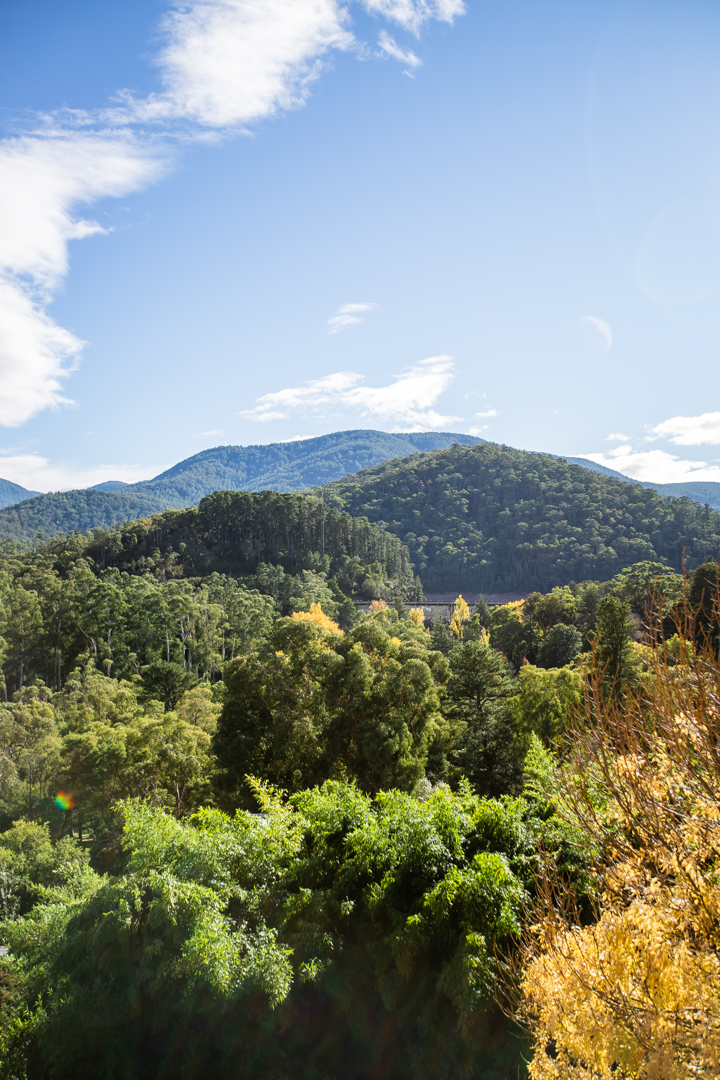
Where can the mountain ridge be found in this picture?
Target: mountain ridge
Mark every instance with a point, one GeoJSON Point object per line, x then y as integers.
{"type": "Point", "coordinates": [283, 467]}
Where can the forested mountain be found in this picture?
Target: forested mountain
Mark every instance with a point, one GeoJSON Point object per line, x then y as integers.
{"type": "Point", "coordinates": [12, 493]}
{"type": "Point", "coordinates": [193, 586]}
{"type": "Point", "coordinates": [292, 466]}
{"type": "Point", "coordinates": [490, 517]}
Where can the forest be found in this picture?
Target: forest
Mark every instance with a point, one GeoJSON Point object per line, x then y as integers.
{"type": "Point", "coordinates": [247, 831]}
{"type": "Point", "coordinates": [493, 518]}
{"type": "Point", "coordinates": [291, 466]}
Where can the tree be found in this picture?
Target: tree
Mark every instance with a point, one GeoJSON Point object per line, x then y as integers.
{"type": "Point", "coordinates": [559, 647]}
{"type": "Point", "coordinates": [320, 704]}
{"type": "Point", "coordinates": [489, 748]}
{"type": "Point", "coordinates": [339, 935]}
{"type": "Point", "coordinates": [440, 637]}
{"type": "Point", "coordinates": [612, 644]}
{"type": "Point", "coordinates": [461, 614]}
{"type": "Point", "coordinates": [509, 634]}
{"type": "Point", "coordinates": [546, 701]}
{"type": "Point", "coordinates": [166, 682]}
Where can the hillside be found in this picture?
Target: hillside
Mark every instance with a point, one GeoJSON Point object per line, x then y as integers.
{"type": "Point", "coordinates": [490, 517]}
{"type": "Point", "coordinates": [12, 493]}
{"type": "Point", "coordinates": [292, 466]}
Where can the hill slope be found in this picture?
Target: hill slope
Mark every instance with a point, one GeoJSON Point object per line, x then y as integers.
{"type": "Point", "coordinates": [283, 467]}
{"type": "Point", "coordinates": [490, 517]}
{"type": "Point", "coordinates": [12, 493]}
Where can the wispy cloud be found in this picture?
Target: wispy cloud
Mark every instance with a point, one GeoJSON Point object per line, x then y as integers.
{"type": "Point", "coordinates": [413, 14]}
{"type": "Point", "coordinates": [655, 466]}
{"type": "Point", "coordinates": [488, 412]}
{"type": "Point", "coordinates": [603, 329]}
{"type": "Point", "coordinates": [39, 473]}
{"type": "Point", "coordinates": [224, 64]}
{"type": "Point", "coordinates": [209, 434]}
{"type": "Point", "coordinates": [690, 430]}
{"type": "Point", "coordinates": [407, 401]}
{"type": "Point", "coordinates": [616, 436]}
{"type": "Point", "coordinates": [391, 48]}
{"type": "Point", "coordinates": [348, 315]}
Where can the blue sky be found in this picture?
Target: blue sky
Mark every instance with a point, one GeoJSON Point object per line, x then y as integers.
{"type": "Point", "coordinates": [240, 221]}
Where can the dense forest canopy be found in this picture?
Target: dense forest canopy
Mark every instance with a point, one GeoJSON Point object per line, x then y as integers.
{"type": "Point", "coordinates": [365, 923]}
{"type": "Point", "coordinates": [194, 587]}
{"type": "Point", "coordinates": [291, 466]}
{"type": "Point", "coordinates": [490, 517]}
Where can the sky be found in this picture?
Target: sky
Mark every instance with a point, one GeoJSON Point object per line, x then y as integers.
{"type": "Point", "coordinates": [247, 221]}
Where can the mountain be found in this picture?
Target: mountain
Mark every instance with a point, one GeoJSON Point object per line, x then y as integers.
{"type": "Point", "coordinates": [12, 493]}
{"type": "Point", "coordinates": [489, 517]}
{"type": "Point", "coordinates": [110, 485]}
{"type": "Point", "coordinates": [702, 491]}
{"type": "Point", "coordinates": [291, 466]}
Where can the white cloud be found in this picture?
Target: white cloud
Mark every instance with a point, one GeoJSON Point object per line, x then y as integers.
{"type": "Point", "coordinates": [412, 14]}
{"type": "Point", "coordinates": [488, 412]}
{"type": "Point", "coordinates": [348, 315]}
{"type": "Point", "coordinates": [655, 466]}
{"type": "Point", "coordinates": [617, 437]}
{"type": "Point", "coordinates": [38, 473]}
{"type": "Point", "coordinates": [477, 430]}
{"type": "Point", "coordinates": [224, 64]}
{"type": "Point", "coordinates": [690, 430]}
{"type": "Point", "coordinates": [407, 401]}
{"type": "Point", "coordinates": [209, 434]}
{"type": "Point", "coordinates": [391, 47]}
{"type": "Point", "coordinates": [602, 327]}
{"type": "Point", "coordinates": [231, 62]}
{"type": "Point", "coordinates": [44, 178]}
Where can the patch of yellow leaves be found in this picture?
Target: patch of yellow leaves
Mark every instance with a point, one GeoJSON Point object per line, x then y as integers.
{"type": "Point", "coordinates": [316, 616]}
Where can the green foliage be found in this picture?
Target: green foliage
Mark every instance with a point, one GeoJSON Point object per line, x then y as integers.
{"type": "Point", "coordinates": [166, 590]}
{"type": "Point", "coordinates": [613, 654]}
{"type": "Point", "coordinates": [511, 635]}
{"type": "Point", "coordinates": [275, 467]}
{"type": "Point", "coordinates": [488, 747]}
{"type": "Point", "coordinates": [648, 585]}
{"type": "Point", "coordinates": [560, 646]}
{"type": "Point", "coordinates": [335, 936]}
{"type": "Point", "coordinates": [490, 517]}
{"type": "Point", "coordinates": [318, 704]}
{"type": "Point", "coordinates": [545, 701]}
{"type": "Point", "coordinates": [166, 682]}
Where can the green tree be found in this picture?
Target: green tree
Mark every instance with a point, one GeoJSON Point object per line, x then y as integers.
{"type": "Point", "coordinates": [546, 701]}
{"type": "Point", "coordinates": [166, 683]}
{"type": "Point", "coordinates": [489, 748]}
{"type": "Point", "coordinates": [559, 647]}
{"type": "Point", "coordinates": [320, 704]}
{"type": "Point", "coordinates": [613, 652]}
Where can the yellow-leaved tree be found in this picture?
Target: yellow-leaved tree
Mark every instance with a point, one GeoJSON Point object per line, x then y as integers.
{"type": "Point", "coordinates": [634, 990]}
{"type": "Point", "coordinates": [461, 614]}
{"type": "Point", "coordinates": [317, 616]}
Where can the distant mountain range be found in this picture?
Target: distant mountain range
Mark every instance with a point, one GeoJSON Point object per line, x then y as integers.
{"type": "Point", "coordinates": [702, 491]}
{"type": "Point", "coordinates": [291, 466]}
{"type": "Point", "coordinates": [288, 466]}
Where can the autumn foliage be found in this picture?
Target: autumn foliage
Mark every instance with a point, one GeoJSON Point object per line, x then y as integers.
{"type": "Point", "coordinates": [632, 989]}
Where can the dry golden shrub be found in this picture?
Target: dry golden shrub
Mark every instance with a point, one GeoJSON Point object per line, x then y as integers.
{"type": "Point", "coordinates": [635, 993]}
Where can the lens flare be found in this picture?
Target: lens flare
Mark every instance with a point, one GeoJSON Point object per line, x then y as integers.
{"type": "Point", "coordinates": [64, 800]}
